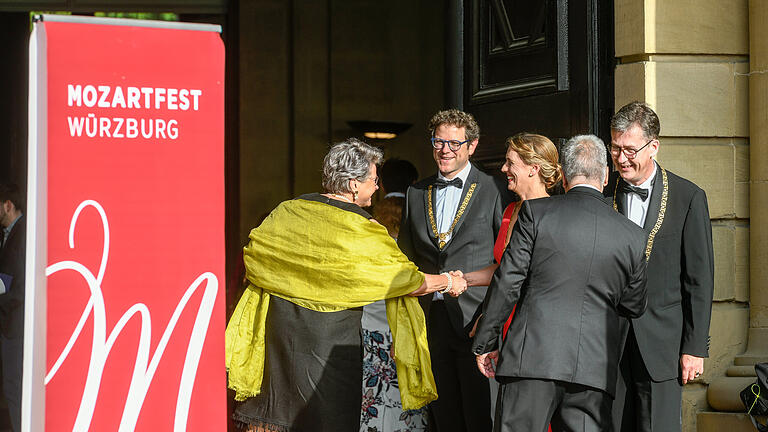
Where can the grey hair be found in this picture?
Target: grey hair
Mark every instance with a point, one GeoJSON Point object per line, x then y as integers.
{"type": "Point", "coordinates": [637, 113]}
{"type": "Point", "coordinates": [584, 155]}
{"type": "Point", "coordinates": [347, 160]}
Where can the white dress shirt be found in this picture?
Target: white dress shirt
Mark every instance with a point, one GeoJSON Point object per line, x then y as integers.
{"type": "Point", "coordinates": [636, 209]}
{"type": "Point", "coordinates": [447, 201]}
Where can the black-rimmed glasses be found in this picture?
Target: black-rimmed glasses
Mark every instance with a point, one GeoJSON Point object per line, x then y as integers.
{"type": "Point", "coordinates": [454, 145]}
{"type": "Point", "coordinates": [630, 153]}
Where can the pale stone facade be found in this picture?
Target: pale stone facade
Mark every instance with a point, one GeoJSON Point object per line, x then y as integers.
{"type": "Point", "coordinates": [691, 61]}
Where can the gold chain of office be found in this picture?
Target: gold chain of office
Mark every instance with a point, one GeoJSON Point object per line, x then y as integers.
{"type": "Point", "coordinates": [442, 236]}
{"type": "Point", "coordinates": [662, 211]}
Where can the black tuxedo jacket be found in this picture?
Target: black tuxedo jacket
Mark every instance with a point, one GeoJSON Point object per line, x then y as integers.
{"type": "Point", "coordinates": [572, 266]}
{"type": "Point", "coordinates": [470, 247]}
{"type": "Point", "coordinates": [680, 275]}
{"type": "Point", "coordinates": [13, 262]}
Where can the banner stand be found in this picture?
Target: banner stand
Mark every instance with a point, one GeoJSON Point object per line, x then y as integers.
{"type": "Point", "coordinates": [33, 387]}
{"type": "Point", "coordinates": [199, 137]}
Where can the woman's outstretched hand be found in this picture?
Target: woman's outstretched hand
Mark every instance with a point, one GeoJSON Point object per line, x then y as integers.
{"type": "Point", "coordinates": [459, 285]}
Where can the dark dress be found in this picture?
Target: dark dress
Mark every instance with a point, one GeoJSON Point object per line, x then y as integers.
{"type": "Point", "coordinates": [313, 365]}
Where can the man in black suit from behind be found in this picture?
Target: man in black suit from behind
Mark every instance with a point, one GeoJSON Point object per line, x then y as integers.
{"type": "Point", "coordinates": [12, 267]}
{"type": "Point", "coordinates": [665, 348]}
{"type": "Point", "coordinates": [573, 266]}
{"type": "Point", "coordinates": [450, 222]}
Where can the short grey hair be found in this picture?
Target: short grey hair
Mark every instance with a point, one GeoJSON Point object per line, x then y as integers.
{"type": "Point", "coordinates": [637, 113]}
{"type": "Point", "coordinates": [584, 155]}
{"type": "Point", "coordinates": [347, 160]}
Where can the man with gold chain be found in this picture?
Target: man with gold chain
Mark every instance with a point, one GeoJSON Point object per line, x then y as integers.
{"type": "Point", "coordinates": [665, 348]}
{"type": "Point", "coordinates": [450, 222]}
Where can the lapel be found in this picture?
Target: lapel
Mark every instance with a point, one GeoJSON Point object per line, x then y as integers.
{"type": "Point", "coordinates": [621, 199]}
{"type": "Point", "coordinates": [655, 203]}
{"type": "Point", "coordinates": [471, 178]}
{"type": "Point", "coordinates": [14, 232]}
{"type": "Point", "coordinates": [425, 197]}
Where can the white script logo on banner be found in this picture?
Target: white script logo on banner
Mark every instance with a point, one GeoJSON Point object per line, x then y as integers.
{"type": "Point", "coordinates": [145, 367]}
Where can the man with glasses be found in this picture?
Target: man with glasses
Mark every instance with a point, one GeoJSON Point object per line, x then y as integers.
{"type": "Point", "coordinates": [665, 348]}
{"type": "Point", "coordinates": [450, 222]}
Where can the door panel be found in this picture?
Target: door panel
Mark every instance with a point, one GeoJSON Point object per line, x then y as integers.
{"type": "Point", "coordinates": [544, 67]}
{"type": "Point", "coordinates": [517, 49]}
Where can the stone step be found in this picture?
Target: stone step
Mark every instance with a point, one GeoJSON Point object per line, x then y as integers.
{"type": "Point", "coordinates": [741, 371]}
{"type": "Point", "coordinates": [723, 393]}
{"type": "Point", "coordinates": [749, 360]}
{"type": "Point", "coordinates": [720, 422]}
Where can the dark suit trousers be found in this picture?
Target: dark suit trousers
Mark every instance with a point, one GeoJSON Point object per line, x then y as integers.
{"type": "Point", "coordinates": [531, 405]}
{"type": "Point", "coordinates": [12, 354]}
{"type": "Point", "coordinates": [642, 404]}
{"type": "Point", "coordinates": [463, 393]}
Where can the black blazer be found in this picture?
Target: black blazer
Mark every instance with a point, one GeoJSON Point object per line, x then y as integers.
{"type": "Point", "coordinates": [572, 266]}
{"type": "Point", "coordinates": [680, 276]}
{"type": "Point", "coordinates": [470, 247]}
{"type": "Point", "coordinates": [13, 262]}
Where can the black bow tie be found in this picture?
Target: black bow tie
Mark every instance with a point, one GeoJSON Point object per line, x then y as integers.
{"type": "Point", "coordinates": [628, 188]}
{"type": "Point", "coordinates": [440, 183]}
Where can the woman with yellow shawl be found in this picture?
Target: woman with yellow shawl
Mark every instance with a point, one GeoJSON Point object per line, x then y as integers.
{"type": "Point", "coordinates": [293, 343]}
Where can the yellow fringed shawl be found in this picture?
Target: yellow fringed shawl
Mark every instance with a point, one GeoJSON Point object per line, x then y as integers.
{"type": "Point", "coordinates": [328, 259]}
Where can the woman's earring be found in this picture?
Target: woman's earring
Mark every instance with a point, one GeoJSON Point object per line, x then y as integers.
{"type": "Point", "coordinates": [354, 196]}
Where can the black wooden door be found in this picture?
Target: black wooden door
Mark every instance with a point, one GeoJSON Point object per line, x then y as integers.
{"type": "Point", "coordinates": [543, 66]}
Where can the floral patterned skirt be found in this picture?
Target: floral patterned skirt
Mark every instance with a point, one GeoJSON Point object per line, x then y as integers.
{"type": "Point", "coordinates": [381, 408]}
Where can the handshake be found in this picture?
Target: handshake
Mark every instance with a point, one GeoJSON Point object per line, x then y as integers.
{"type": "Point", "coordinates": [456, 283]}
{"type": "Point", "coordinates": [452, 283]}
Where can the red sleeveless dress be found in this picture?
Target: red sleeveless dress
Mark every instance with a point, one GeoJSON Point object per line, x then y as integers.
{"type": "Point", "coordinates": [498, 251]}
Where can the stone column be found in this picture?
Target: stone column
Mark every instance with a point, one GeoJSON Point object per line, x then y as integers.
{"type": "Point", "coordinates": [758, 168]}
{"type": "Point", "coordinates": [723, 393]}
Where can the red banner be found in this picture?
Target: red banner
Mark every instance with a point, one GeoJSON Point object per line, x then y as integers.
{"type": "Point", "coordinates": [135, 205]}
